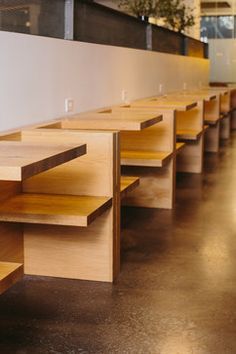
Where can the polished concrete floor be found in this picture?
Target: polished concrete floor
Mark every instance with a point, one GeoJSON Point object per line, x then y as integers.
{"type": "Point", "coordinates": [176, 293]}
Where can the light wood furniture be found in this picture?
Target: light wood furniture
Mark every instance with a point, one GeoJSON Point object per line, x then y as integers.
{"type": "Point", "coordinates": [189, 128]}
{"type": "Point", "coordinates": [150, 154]}
{"type": "Point", "coordinates": [211, 115]}
{"type": "Point", "coordinates": [68, 215]}
{"type": "Point", "coordinates": [19, 161]}
{"type": "Point", "coordinates": [10, 273]}
{"type": "Point", "coordinates": [127, 185]}
{"type": "Point", "coordinates": [146, 141]}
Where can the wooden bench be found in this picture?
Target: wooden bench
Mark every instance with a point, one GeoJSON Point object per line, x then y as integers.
{"type": "Point", "coordinates": [150, 154]}
{"type": "Point", "coordinates": [189, 128]}
{"type": "Point", "coordinates": [20, 161]}
{"type": "Point", "coordinates": [211, 115]}
{"type": "Point", "coordinates": [67, 215]}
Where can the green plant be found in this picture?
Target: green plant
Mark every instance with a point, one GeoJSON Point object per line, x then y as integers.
{"type": "Point", "coordinates": [139, 7]}
{"type": "Point", "coordinates": [176, 14]}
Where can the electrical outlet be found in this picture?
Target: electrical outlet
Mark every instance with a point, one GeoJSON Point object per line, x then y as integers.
{"type": "Point", "coordinates": [124, 95]}
{"type": "Point", "coordinates": [69, 105]}
{"type": "Point", "coordinates": [184, 86]}
{"type": "Point", "coordinates": [161, 89]}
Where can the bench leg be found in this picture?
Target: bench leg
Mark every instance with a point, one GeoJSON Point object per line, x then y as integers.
{"type": "Point", "coordinates": [233, 120]}
{"type": "Point", "coordinates": [157, 186]}
{"type": "Point", "coordinates": [225, 127]}
{"type": "Point", "coordinates": [87, 253]}
{"type": "Point", "coordinates": [212, 138]}
{"type": "Point", "coordinates": [190, 159]}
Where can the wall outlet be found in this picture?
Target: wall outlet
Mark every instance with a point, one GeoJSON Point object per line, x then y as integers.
{"type": "Point", "coordinates": [161, 89]}
{"type": "Point", "coordinates": [184, 86]}
{"type": "Point", "coordinates": [69, 105]}
{"type": "Point", "coordinates": [124, 96]}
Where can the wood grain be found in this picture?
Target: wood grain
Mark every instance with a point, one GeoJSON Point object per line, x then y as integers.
{"type": "Point", "coordinates": [53, 209]}
{"type": "Point", "coordinates": [112, 121]}
{"type": "Point", "coordinates": [19, 160]}
{"type": "Point", "coordinates": [127, 184]}
{"type": "Point", "coordinates": [162, 102]}
{"type": "Point", "coordinates": [145, 158]}
{"type": "Point", "coordinates": [92, 252]}
{"type": "Point", "coordinates": [10, 273]}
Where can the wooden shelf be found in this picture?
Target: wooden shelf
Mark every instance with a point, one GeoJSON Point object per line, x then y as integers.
{"type": "Point", "coordinates": [10, 273]}
{"type": "Point", "coordinates": [124, 121]}
{"type": "Point", "coordinates": [20, 160]}
{"type": "Point", "coordinates": [53, 209]}
{"type": "Point", "coordinates": [196, 95]}
{"type": "Point", "coordinates": [145, 158]}
{"type": "Point", "coordinates": [127, 184]}
{"type": "Point", "coordinates": [179, 147]}
{"type": "Point", "coordinates": [165, 102]}
{"type": "Point", "coordinates": [211, 120]}
{"type": "Point", "coordinates": [188, 134]}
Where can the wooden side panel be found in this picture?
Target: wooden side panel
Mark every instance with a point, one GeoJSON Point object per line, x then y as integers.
{"type": "Point", "coordinates": [225, 103]}
{"type": "Point", "coordinates": [71, 252]}
{"type": "Point", "coordinates": [192, 119]}
{"type": "Point", "coordinates": [92, 253]}
{"type": "Point", "coordinates": [212, 109]}
{"type": "Point", "coordinates": [225, 127]}
{"type": "Point", "coordinates": [11, 234]}
{"type": "Point", "coordinates": [157, 186]}
{"type": "Point", "coordinates": [190, 159]}
{"type": "Point", "coordinates": [233, 120]}
{"type": "Point", "coordinates": [160, 137]}
{"type": "Point", "coordinates": [212, 138]}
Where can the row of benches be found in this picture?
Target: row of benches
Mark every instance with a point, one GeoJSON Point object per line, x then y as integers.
{"type": "Point", "coordinates": [62, 182]}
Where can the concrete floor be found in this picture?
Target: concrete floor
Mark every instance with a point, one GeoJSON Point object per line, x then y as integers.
{"type": "Point", "coordinates": [176, 293]}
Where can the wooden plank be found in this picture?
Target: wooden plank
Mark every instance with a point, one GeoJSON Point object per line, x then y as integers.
{"type": "Point", "coordinates": [92, 252]}
{"type": "Point", "coordinates": [179, 146]}
{"type": "Point", "coordinates": [145, 158]}
{"type": "Point", "coordinates": [126, 121]}
{"type": "Point", "coordinates": [10, 273]}
{"type": "Point", "coordinates": [127, 184]}
{"type": "Point", "coordinates": [19, 160]}
{"type": "Point", "coordinates": [225, 127]}
{"type": "Point", "coordinates": [212, 138]}
{"type": "Point", "coordinates": [188, 134]}
{"type": "Point", "coordinates": [162, 102]}
{"type": "Point", "coordinates": [157, 186]}
{"type": "Point", "coordinates": [191, 157]}
{"type": "Point", "coordinates": [53, 209]}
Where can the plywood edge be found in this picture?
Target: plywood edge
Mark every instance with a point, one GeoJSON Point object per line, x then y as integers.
{"type": "Point", "coordinates": [53, 209]}
{"type": "Point", "coordinates": [127, 185]}
{"type": "Point", "coordinates": [10, 273]}
{"type": "Point", "coordinates": [188, 134]}
{"type": "Point", "coordinates": [145, 158]}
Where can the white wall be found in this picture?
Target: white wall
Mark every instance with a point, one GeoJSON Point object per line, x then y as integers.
{"type": "Point", "coordinates": [37, 74]}
{"type": "Point", "coordinates": [222, 53]}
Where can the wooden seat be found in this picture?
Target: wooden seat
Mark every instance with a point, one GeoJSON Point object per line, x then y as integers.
{"type": "Point", "coordinates": [127, 184]}
{"type": "Point", "coordinates": [145, 158]}
{"type": "Point", "coordinates": [19, 160]}
{"type": "Point", "coordinates": [10, 273]}
{"type": "Point", "coordinates": [179, 146]}
{"type": "Point", "coordinates": [188, 134]}
{"type": "Point", "coordinates": [53, 209]}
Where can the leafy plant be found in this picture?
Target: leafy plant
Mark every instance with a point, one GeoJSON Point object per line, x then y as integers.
{"type": "Point", "coordinates": [139, 7]}
{"type": "Point", "coordinates": [176, 14]}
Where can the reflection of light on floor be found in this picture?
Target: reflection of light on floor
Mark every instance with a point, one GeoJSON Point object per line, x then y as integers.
{"type": "Point", "coordinates": [177, 345]}
{"type": "Point", "coordinates": [216, 258]}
